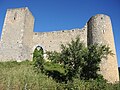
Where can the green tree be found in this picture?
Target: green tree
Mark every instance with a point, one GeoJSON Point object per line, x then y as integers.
{"type": "Point", "coordinates": [83, 62]}
{"type": "Point", "coordinates": [77, 60]}
{"type": "Point", "coordinates": [72, 57]}
{"type": "Point", "coordinates": [54, 56]}
{"type": "Point", "coordinates": [92, 58]}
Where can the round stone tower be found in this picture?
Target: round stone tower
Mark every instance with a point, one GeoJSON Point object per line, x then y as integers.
{"type": "Point", "coordinates": [100, 31]}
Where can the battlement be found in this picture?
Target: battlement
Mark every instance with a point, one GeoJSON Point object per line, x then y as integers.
{"type": "Point", "coordinates": [18, 40]}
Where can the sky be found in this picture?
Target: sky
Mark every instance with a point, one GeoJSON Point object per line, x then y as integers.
{"type": "Point", "coordinates": [54, 15]}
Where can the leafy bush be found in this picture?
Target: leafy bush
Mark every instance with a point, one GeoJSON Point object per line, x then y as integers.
{"type": "Point", "coordinates": [72, 58]}
{"type": "Point", "coordinates": [38, 59]}
{"type": "Point", "coordinates": [74, 61]}
{"type": "Point", "coordinates": [53, 56]}
{"type": "Point", "coordinates": [54, 66]}
{"type": "Point", "coordinates": [92, 58]}
{"type": "Point", "coordinates": [80, 61]}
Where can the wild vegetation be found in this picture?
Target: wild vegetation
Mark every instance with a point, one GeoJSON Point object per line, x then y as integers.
{"type": "Point", "coordinates": [22, 76]}
{"type": "Point", "coordinates": [74, 68]}
{"type": "Point", "coordinates": [75, 61]}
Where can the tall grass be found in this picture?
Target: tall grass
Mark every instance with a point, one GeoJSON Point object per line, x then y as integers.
{"type": "Point", "coordinates": [22, 76]}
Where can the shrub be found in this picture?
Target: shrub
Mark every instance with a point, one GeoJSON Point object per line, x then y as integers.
{"type": "Point", "coordinates": [76, 60]}
{"type": "Point", "coordinates": [72, 58]}
{"type": "Point", "coordinates": [92, 58]}
{"type": "Point", "coordinates": [38, 59]}
{"type": "Point", "coordinates": [53, 56]}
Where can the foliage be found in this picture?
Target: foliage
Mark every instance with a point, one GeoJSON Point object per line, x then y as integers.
{"type": "Point", "coordinates": [21, 76]}
{"type": "Point", "coordinates": [54, 66]}
{"type": "Point", "coordinates": [80, 61]}
{"type": "Point", "coordinates": [53, 56]}
{"type": "Point", "coordinates": [72, 57]}
{"type": "Point", "coordinates": [38, 59]}
{"type": "Point", "coordinates": [75, 67]}
{"type": "Point", "coordinates": [92, 58]}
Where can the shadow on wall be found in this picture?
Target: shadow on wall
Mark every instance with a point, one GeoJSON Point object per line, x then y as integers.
{"type": "Point", "coordinates": [119, 71]}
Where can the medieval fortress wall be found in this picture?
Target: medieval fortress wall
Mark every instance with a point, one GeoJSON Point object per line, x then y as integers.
{"type": "Point", "coordinates": [51, 41]}
{"type": "Point", "coordinates": [18, 40]}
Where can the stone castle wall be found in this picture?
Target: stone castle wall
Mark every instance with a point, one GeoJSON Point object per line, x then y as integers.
{"type": "Point", "coordinates": [51, 41]}
{"type": "Point", "coordinates": [18, 40]}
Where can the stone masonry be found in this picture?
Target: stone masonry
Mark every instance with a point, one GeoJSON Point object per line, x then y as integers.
{"type": "Point", "coordinates": [18, 40]}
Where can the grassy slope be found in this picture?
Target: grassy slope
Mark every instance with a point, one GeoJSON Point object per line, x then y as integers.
{"type": "Point", "coordinates": [22, 76]}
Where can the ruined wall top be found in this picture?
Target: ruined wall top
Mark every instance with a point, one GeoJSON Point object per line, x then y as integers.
{"type": "Point", "coordinates": [64, 31]}
{"type": "Point", "coordinates": [21, 9]}
{"type": "Point", "coordinates": [51, 41]}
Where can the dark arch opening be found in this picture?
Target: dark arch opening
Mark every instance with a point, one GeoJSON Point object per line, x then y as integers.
{"type": "Point", "coordinates": [39, 48]}
{"type": "Point", "coordinates": [38, 52]}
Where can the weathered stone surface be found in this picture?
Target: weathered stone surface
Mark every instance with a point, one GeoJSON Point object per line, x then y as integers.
{"type": "Point", "coordinates": [18, 40]}
{"type": "Point", "coordinates": [100, 31]}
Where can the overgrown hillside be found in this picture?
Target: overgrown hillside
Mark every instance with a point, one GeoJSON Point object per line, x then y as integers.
{"type": "Point", "coordinates": [22, 76]}
{"type": "Point", "coordinates": [74, 68]}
